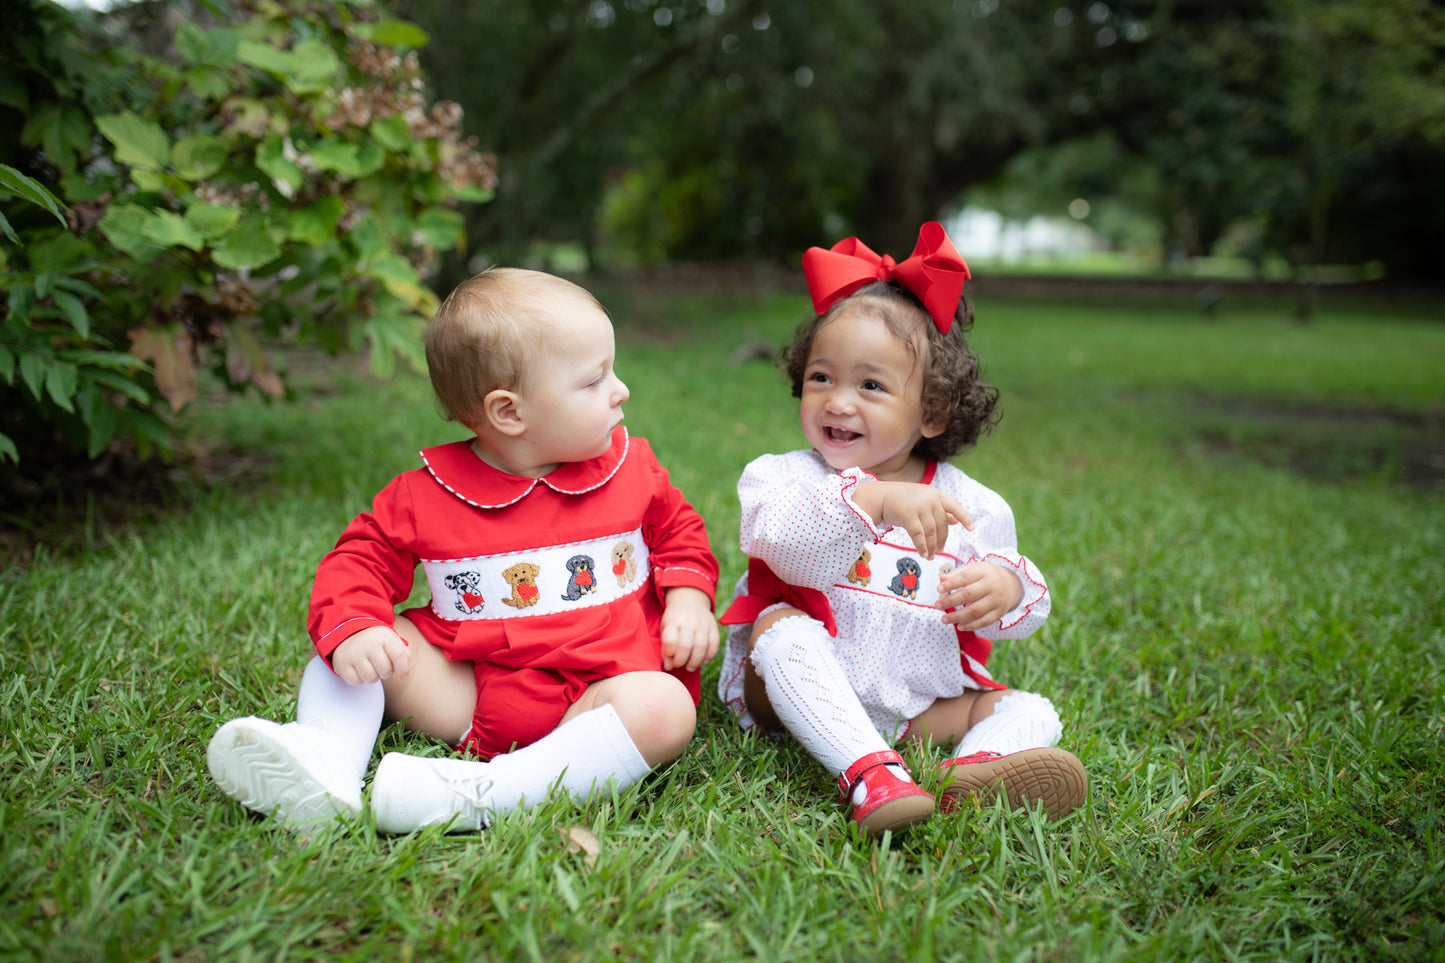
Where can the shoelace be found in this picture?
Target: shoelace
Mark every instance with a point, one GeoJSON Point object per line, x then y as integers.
{"type": "Point", "coordinates": [472, 791]}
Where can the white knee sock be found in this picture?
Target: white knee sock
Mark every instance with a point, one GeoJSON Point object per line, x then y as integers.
{"type": "Point", "coordinates": [811, 695]}
{"type": "Point", "coordinates": [1020, 720]}
{"type": "Point", "coordinates": [349, 715]}
{"type": "Point", "coordinates": [585, 751]}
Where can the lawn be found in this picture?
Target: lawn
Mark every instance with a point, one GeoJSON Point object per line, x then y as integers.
{"type": "Point", "coordinates": [1241, 521]}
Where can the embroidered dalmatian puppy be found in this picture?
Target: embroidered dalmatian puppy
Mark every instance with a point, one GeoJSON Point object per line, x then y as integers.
{"type": "Point", "coordinates": [468, 586]}
{"type": "Point", "coordinates": [523, 579]}
{"type": "Point", "coordinates": [905, 583]}
{"type": "Point", "coordinates": [623, 565]}
{"type": "Point", "coordinates": [859, 573]}
{"type": "Point", "coordinates": [582, 582]}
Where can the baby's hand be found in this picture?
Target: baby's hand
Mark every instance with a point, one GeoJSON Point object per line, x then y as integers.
{"type": "Point", "coordinates": [689, 630]}
{"type": "Point", "coordinates": [371, 654]}
{"type": "Point", "coordinates": [979, 593]}
{"type": "Point", "coordinates": [921, 510]}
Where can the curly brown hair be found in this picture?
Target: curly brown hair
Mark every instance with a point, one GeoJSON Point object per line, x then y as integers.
{"type": "Point", "coordinates": [952, 391]}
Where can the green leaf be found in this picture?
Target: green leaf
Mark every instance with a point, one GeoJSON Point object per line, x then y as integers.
{"type": "Point", "coordinates": [157, 182]}
{"type": "Point", "coordinates": [7, 229]}
{"type": "Point", "coordinates": [444, 229]}
{"type": "Point", "coordinates": [369, 158]}
{"type": "Point", "coordinates": [270, 158]}
{"type": "Point", "coordinates": [394, 33]}
{"type": "Point", "coordinates": [369, 238]}
{"type": "Point", "coordinates": [199, 156]}
{"type": "Point", "coordinates": [125, 225]}
{"type": "Point", "coordinates": [337, 155]}
{"type": "Point", "coordinates": [316, 223]}
{"type": "Point", "coordinates": [392, 133]}
{"type": "Point", "coordinates": [22, 298]}
{"type": "Point", "coordinates": [171, 230]}
{"type": "Point", "coordinates": [249, 245]}
{"type": "Point", "coordinates": [102, 421]}
{"type": "Point", "coordinates": [191, 42]}
{"type": "Point", "coordinates": [74, 309]}
{"type": "Point", "coordinates": [264, 57]}
{"type": "Point", "coordinates": [138, 142]}
{"type": "Point", "coordinates": [208, 82]}
{"type": "Point", "coordinates": [60, 254]}
{"type": "Point", "coordinates": [28, 188]}
{"type": "Point", "coordinates": [313, 64]}
{"type": "Point", "coordinates": [61, 130]}
{"type": "Point", "coordinates": [7, 448]}
{"type": "Point", "coordinates": [212, 220]}
{"type": "Point", "coordinates": [209, 48]}
{"type": "Point", "coordinates": [7, 364]}
{"type": "Point", "coordinates": [122, 385]}
{"type": "Point", "coordinates": [32, 372]}
{"type": "Point", "coordinates": [60, 384]}
{"type": "Point", "coordinates": [116, 360]}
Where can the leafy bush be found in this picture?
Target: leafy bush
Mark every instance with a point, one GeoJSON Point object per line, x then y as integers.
{"type": "Point", "coordinates": [278, 174]}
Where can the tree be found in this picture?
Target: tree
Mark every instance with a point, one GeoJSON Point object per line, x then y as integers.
{"type": "Point", "coordinates": [278, 173]}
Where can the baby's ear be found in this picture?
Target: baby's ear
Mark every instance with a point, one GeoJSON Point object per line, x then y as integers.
{"type": "Point", "coordinates": [501, 412]}
{"type": "Point", "coordinates": [934, 428]}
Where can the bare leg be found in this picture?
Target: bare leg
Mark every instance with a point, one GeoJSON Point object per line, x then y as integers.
{"type": "Point", "coordinates": [438, 697]}
{"type": "Point", "coordinates": [946, 721]}
{"type": "Point", "coordinates": [654, 707]}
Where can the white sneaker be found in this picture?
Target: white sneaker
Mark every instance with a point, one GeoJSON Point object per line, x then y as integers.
{"type": "Point", "coordinates": [410, 792]}
{"type": "Point", "coordinates": [282, 771]}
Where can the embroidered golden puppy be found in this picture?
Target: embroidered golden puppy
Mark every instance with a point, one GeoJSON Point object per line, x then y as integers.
{"type": "Point", "coordinates": [624, 566]}
{"type": "Point", "coordinates": [523, 579]}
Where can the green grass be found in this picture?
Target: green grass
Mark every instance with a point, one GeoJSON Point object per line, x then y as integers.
{"type": "Point", "coordinates": [1246, 647]}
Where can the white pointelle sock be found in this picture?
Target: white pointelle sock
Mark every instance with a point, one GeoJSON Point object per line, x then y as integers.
{"type": "Point", "coordinates": [348, 715]}
{"type": "Point", "coordinates": [1020, 720]}
{"type": "Point", "coordinates": [586, 752]}
{"type": "Point", "coordinates": [811, 695]}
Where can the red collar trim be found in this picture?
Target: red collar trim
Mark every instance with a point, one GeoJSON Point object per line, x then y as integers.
{"type": "Point", "coordinates": [458, 469]}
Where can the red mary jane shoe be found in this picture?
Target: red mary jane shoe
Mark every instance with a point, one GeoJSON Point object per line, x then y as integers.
{"type": "Point", "coordinates": [889, 803]}
{"type": "Point", "coordinates": [1050, 777]}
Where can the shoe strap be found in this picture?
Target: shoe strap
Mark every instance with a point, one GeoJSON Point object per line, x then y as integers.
{"type": "Point", "coordinates": [983, 755]}
{"type": "Point", "coordinates": [853, 773]}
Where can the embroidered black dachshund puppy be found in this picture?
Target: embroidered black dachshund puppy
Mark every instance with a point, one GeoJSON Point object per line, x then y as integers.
{"type": "Point", "coordinates": [582, 581]}
{"type": "Point", "coordinates": [905, 583]}
{"type": "Point", "coordinates": [468, 586]}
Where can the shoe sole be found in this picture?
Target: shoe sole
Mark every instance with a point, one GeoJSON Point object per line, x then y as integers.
{"type": "Point", "coordinates": [266, 777]}
{"type": "Point", "coordinates": [1052, 778]}
{"type": "Point", "coordinates": [897, 815]}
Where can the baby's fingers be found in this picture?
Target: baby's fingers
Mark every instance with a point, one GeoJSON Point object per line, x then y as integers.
{"type": "Point", "coordinates": [956, 513]}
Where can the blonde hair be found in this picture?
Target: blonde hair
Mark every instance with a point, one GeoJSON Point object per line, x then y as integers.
{"type": "Point", "coordinates": [490, 334]}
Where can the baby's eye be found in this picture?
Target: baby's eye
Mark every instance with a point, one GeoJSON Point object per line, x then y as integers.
{"type": "Point", "coordinates": [818, 377]}
{"type": "Point", "coordinates": [871, 385]}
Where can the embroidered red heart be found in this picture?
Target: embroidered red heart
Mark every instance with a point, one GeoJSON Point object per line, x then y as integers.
{"type": "Point", "coordinates": [910, 582]}
{"type": "Point", "coordinates": [472, 601]}
{"type": "Point", "coordinates": [583, 577]}
{"type": "Point", "coordinates": [526, 591]}
{"type": "Point", "coordinates": [619, 566]}
{"type": "Point", "coordinates": [863, 571]}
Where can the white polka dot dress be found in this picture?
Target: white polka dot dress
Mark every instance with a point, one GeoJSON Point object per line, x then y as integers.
{"type": "Point", "coordinates": [799, 518]}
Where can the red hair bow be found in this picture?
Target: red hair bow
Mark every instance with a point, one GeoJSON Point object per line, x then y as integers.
{"type": "Point", "coordinates": [935, 272]}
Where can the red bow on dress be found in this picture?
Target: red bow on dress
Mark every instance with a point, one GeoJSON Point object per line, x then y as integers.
{"type": "Point", "coordinates": [935, 272]}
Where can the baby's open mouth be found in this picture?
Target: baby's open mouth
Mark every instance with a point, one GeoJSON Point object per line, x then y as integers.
{"type": "Point", "coordinates": [840, 436]}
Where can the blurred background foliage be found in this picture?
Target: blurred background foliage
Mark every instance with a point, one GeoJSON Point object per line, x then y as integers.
{"type": "Point", "coordinates": [645, 131]}
{"type": "Point", "coordinates": [233, 173]}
